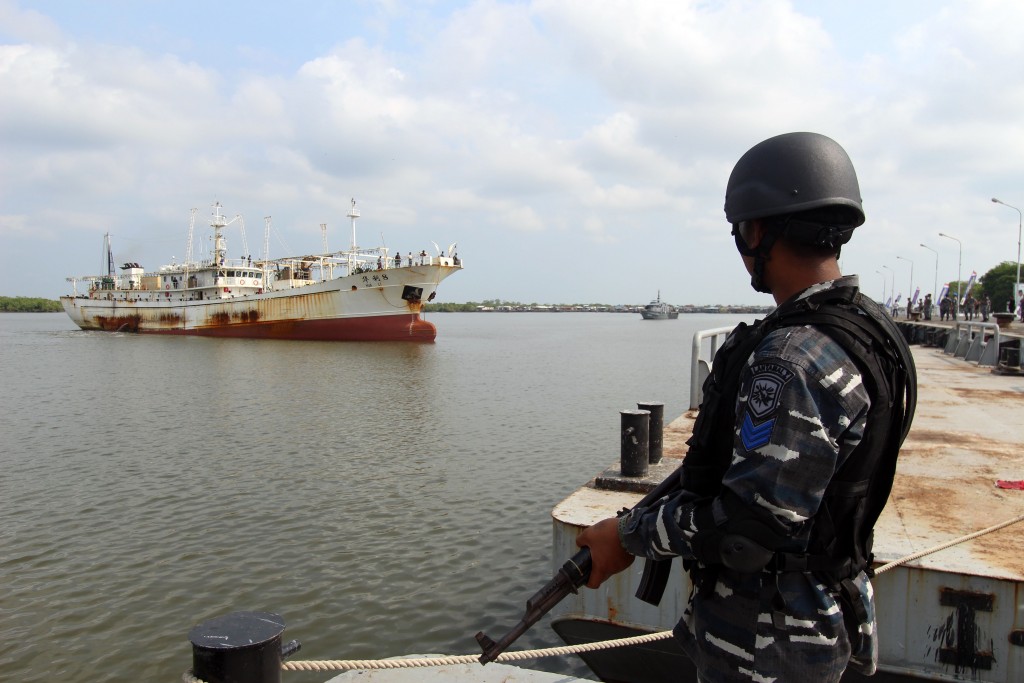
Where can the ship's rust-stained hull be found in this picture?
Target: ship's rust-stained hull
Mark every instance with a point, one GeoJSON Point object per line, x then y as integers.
{"type": "Point", "coordinates": [344, 309]}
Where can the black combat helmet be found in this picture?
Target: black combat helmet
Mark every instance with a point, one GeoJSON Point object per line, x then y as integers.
{"type": "Point", "coordinates": [806, 174]}
{"type": "Point", "coordinates": [803, 187]}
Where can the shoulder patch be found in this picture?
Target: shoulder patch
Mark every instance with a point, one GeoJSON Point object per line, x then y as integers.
{"type": "Point", "coordinates": [754, 437]}
{"type": "Point", "coordinates": [766, 388]}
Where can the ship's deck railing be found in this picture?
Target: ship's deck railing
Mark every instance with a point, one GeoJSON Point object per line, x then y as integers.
{"type": "Point", "coordinates": [700, 365]}
{"type": "Point", "coordinates": [362, 262]}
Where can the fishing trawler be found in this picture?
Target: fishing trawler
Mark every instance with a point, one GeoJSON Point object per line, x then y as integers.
{"type": "Point", "coordinates": [356, 294]}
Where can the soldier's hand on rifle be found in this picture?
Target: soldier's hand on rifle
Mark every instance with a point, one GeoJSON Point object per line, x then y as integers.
{"type": "Point", "coordinates": [607, 554]}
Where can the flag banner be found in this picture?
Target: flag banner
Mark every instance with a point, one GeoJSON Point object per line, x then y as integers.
{"type": "Point", "coordinates": [970, 283]}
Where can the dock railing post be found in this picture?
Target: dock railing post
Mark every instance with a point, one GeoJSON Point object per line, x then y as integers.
{"type": "Point", "coordinates": [633, 458]}
{"type": "Point", "coordinates": [971, 346]}
{"type": "Point", "coordinates": [656, 429]}
{"type": "Point", "coordinates": [697, 363]}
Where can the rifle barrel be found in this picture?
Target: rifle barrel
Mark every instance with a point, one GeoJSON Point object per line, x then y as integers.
{"type": "Point", "coordinates": [570, 576]}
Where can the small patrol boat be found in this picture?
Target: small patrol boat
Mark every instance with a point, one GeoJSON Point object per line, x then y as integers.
{"type": "Point", "coordinates": [659, 310]}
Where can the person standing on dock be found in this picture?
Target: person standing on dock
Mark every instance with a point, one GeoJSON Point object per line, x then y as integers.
{"type": "Point", "coordinates": [794, 448]}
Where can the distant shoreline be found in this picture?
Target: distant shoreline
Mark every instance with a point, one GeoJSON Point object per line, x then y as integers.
{"type": "Point", "coordinates": [24, 304]}
{"type": "Point", "coordinates": [29, 304]}
{"type": "Point", "coordinates": [473, 307]}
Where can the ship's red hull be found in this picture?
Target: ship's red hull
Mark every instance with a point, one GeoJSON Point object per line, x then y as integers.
{"type": "Point", "coordinates": [408, 327]}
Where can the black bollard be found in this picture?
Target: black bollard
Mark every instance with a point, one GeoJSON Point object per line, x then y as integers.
{"type": "Point", "coordinates": [241, 647]}
{"type": "Point", "coordinates": [635, 443]}
{"type": "Point", "coordinates": [657, 411]}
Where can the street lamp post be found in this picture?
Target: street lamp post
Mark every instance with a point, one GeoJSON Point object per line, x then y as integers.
{"type": "Point", "coordinates": [910, 290]}
{"type": "Point", "coordinates": [935, 288]}
{"type": "Point", "coordinates": [892, 287]}
{"type": "Point", "coordinates": [959, 263]}
{"type": "Point", "coordinates": [883, 285]}
{"type": "Point", "coordinates": [1013, 298]}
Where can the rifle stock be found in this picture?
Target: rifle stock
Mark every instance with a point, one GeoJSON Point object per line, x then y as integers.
{"type": "Point", "coordinates": [575, 572]}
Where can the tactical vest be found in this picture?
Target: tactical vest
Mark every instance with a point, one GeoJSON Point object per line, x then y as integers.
{"type": "Point", "coordinates": [841, 533]}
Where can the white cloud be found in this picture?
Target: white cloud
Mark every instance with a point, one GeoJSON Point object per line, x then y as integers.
{"type": "Point", "coordinates": [567, 126]}
{"type": "Point", "coordinates": [25, 25]}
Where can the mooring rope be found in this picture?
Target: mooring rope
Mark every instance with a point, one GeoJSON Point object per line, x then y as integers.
{"type": "Point", "coordinates": [327, 665]}
{"type": "Point", "coordinates": [949, 544]}
{"type": "Point", "coordinates": [451, 660]}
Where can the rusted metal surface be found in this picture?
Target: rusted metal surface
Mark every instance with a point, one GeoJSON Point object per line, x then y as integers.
{"type": "Point", "coordinates": [965, 437]}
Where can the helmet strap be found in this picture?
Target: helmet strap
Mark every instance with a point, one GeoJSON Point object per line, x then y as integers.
{"type": "Point", "coordinates": [758, 253]}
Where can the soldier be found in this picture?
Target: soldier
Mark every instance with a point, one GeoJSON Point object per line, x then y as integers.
{"type": "Point", "coordinates": [794, 448]}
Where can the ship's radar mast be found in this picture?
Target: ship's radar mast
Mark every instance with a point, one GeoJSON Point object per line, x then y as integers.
{"type": "Point", "coordinates": [217, 222]}
{"type": "Point", "coordinates": [353, 214]}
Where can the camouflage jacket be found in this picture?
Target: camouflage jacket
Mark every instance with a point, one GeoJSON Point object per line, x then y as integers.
{"type": "Point", "coordinates": [800, 411]}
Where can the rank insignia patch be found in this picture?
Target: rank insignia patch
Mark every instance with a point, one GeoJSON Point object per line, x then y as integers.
{"type": "Point", "coordinates": [755, 437]}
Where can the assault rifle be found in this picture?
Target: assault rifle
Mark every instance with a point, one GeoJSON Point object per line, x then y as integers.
{"type": "Point", "coordinates": [575, 572]}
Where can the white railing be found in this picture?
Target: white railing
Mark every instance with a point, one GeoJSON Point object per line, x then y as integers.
{"type": "Point", "coordinates": [699, 367]}
{"type": "Point", "coordinates": [965, 343]}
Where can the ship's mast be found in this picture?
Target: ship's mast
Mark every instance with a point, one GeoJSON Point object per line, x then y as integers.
{"type": "Point", "coordinates": [266, 239]}
{"type": "Point", "coordinates": [188, 247]}
{"type": "Point", "coordinates": [353, 214]}
{"type": "Point", "coordinates": [220, 249]}
{"type": "Point", "coordinates": [110, 255]}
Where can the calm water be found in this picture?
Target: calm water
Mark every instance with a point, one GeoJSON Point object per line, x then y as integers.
{"type": "Point", "coordinates": [384, 498]}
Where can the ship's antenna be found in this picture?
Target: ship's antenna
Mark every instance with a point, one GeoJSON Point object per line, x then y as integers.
{"type": "Point", "coordinates": [188, 247]}
{"type": "Point", "coordinates": [266, 239]}
{"type": "Point", "coordinates": [353, 214]}
{"type": "Point", "coordinates": [217, 223]}
{"type": "Point", "coordinates": [109, 254]}
{"type": "Point", "coordinates": [245, 242]}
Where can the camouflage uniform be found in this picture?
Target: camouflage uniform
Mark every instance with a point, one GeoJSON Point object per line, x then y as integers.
{"type": "Point", "coordinates": [800, 411]}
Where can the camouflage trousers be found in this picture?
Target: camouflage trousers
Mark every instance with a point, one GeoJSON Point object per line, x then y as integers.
{"type": "Point", "coordinates": [765, 628]}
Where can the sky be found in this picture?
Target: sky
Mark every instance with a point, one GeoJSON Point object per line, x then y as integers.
{"type": "Point", "coordinates": [575, 151]}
